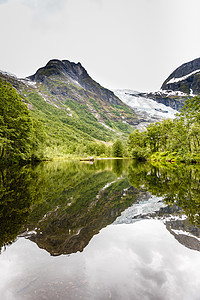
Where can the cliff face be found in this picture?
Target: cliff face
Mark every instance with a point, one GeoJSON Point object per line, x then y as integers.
{"type": "Point", "coordinates": [185, 78]}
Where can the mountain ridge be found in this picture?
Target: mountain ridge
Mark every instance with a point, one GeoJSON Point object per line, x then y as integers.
{"type": "Point", "coordinates": [186, 78]}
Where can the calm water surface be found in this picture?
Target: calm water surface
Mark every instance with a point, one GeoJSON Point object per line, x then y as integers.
{"type": "Point", "coordinates": [109, 230]}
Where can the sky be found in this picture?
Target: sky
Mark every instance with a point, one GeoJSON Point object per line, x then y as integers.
{"type": "Point", "coordinates": [123, 44]}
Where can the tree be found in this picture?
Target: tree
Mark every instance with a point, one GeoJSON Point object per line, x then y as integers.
{"type": "Point", "coordinates": [117, 148]}
{"type": "Point", "coordinates": [137, 144]}
{"type": "Point", "coordinates": [15, 126]}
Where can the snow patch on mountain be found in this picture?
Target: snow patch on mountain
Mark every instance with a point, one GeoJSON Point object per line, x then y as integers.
{"type": "Point", "coordinates": [28, 82]}
{"type": "Point", "coordinates": [169, 93]}
{"type": "Point", "coordinates": [144, 106]}
{"type": "Point", "coordinates": [173, 80]}
{"type": "Point", "coordinates": [8, 74]}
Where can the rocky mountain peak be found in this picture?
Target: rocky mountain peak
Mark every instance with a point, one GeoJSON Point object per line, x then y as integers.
{"type": "Point", "coordinates": [63, 68]}
{"type": "Point", "coordinates": [69, 72]}
{"type": "Point", "coordinates": [74, 68]}
{"type": "Point", "coordinates": [185, 78]}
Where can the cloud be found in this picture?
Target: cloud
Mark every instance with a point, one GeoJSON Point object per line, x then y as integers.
{"type": "Point", "coordinates": [144, 40]}
{"type": "Point", "coordinates": [3, 1]}
{"type": "Point", "coordinates": [44, 7]}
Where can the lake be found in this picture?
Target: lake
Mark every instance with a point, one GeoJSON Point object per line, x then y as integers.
{"type": "Point", "coordinates": [109, 229]}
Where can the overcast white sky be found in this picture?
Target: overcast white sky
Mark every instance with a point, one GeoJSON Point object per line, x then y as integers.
{"type": "Point", "coordinates": [132, 44]}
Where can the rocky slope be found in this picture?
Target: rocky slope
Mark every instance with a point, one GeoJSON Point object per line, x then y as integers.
{"type": "Point", "coordinates": [185, 78]}
{"type": "Point", "coordinates": [71, 73]}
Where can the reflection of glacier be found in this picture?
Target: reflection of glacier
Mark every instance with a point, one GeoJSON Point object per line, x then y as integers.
{"type": "Point", "coordinates": [144, 207]}
{"type": "Point", "coordinates": [153, 207]}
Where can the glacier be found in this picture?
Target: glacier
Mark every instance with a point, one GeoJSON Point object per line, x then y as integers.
{"type": "Point", "coordinates": [146, 108]}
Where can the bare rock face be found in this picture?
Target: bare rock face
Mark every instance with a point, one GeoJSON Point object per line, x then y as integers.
{"type": "Point", "coordinates": [64, 68]}
{"type": "Point", "coordinates": [185, 78]}
{"type": "Point", "coordinates": [70, 72]}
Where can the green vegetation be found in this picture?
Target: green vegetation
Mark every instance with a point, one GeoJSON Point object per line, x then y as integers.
{"type": "Point", "coordinates": [67, 121]}
{"type": "Point", "coordinates": [63, 119]}
{"type": "Point", "coordinates": [20, 135]}
{"type": "Point", "coordinates": [72, 130]}
{"type": "Point", "coordinates": [177, 140]}
{"type": "Point", "coordinates": [47, 131]}
{"type": "Point", "coordinates": [117, 148]}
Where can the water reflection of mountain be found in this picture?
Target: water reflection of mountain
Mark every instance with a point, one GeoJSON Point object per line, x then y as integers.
{"type": "Point", "coordinates": [190, 238]}
{"type": "Point", "coordinates": [70, 229]}
{"type": "Point", "coordinates": [62, 205]}
{"type": "Point", "coordinates": [68, 202]}
{"type": "Point", "coordinates": [63, 232]}
{"type": "Point", "coordinates": [95, 196]}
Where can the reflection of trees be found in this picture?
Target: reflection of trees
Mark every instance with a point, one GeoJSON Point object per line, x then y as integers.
{"type": "Point", "coordinates": [17, 195]}
{"type": "Point", "coordinates": [117, 166]}
{"type": "Point", "coordinates": [179, 185]}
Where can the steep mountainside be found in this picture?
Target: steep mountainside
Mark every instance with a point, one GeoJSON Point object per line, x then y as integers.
{"type": "Point", "coordinates": [72, 108]}
{"type": "Point", "coordinates": [185, 78]}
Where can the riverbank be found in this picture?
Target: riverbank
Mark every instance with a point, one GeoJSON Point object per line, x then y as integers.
{"type": "Point", "coordinates": [174, 157]}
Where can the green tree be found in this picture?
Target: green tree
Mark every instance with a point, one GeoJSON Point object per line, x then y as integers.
{"type": "Point", "coordinates": [170, 140]}
{"type": "Point", "coordinates": [117, 148]}
{"type": "Point", "coordinates": [137, 144]}
{"type": "Point", "coordinates": [16, 126]}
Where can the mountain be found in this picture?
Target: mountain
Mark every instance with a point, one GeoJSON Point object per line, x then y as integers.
{"type": "Point", "coordinates": [71, 73]}
{"type": "Point", "coordinates": [73, 108]}
{"type": "Point", "coordinates": [76, 114]}
{"type": "Point", "coordinates": [184, 82]}
{"type": "Point", "coordinates": [185, 78]}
